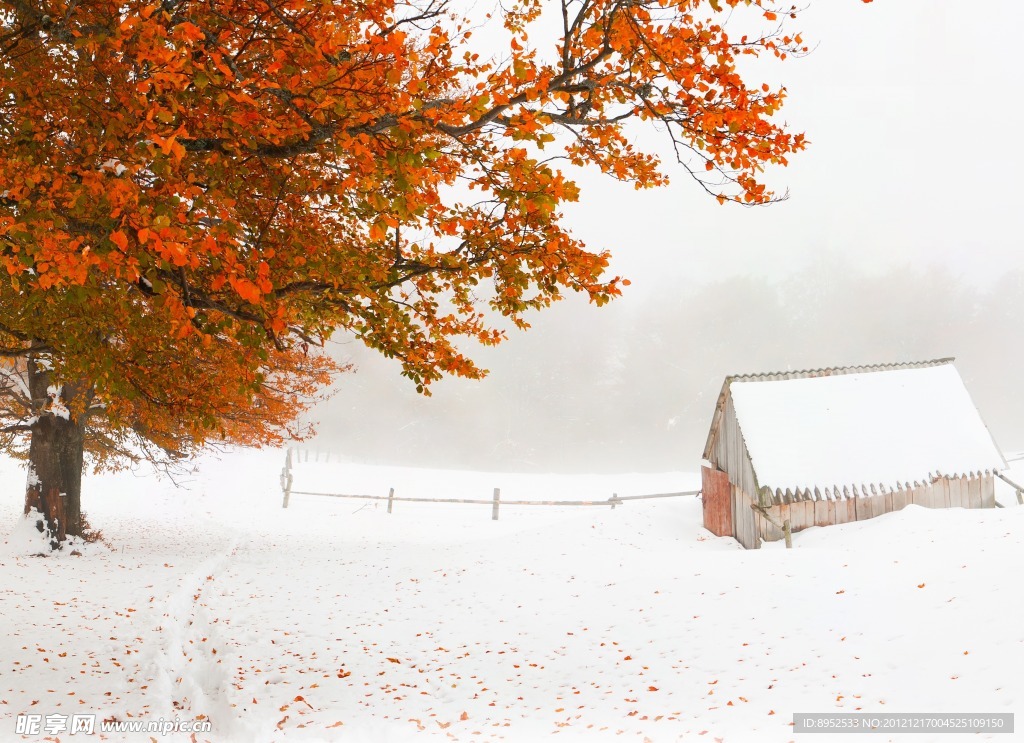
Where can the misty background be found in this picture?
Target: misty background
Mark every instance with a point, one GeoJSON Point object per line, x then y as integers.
{"type": "Point", "coordinates": [901, 241]}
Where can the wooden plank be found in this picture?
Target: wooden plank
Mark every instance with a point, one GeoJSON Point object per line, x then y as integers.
{"type": "Point", "coordinates": [877, 505]}
{"type": "Point", "coordinates": [770, 532]}
{"type": "Point", "coordinates": [717, 502]}
{"type": "Point", "coordinates": [805, 514]}
{"type": "Point", "coordinates": [842, 511]}
{"type": "Point", "coordinates": [888, 508]}
{"type": "Point", "coordinates": [738, 531]}
{"type": "Point", "coordinates": [830, 506]}
{"type": "Point", "coordinates": [987, 486]}
{"type": "Point", "coordinates": [730, 453]}
{"type": "Point", "coordinates": [899, 500]}
{"type": "Point", "coordinates": [286, 478]}
{"type": "Point", "coordinates": [924, 496]}
{"type": "Point", "coordinates": [952, 492]}
{"type": "Point", "coordinates": [863, 508]}
{"type": "Point", "coordinates": [915, 496]}
{"type": "Point", "coordinates": [974, 491]}
{"type": "Point", "coordinates": [820, 513]}
{"type": "Point", "coordinates": [794, 512]}
{"type": "Point", "coordinates": [743, 520]}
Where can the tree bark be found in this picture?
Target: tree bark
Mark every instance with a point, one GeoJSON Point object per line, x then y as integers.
{"type": "Point", "coordinates": [56, 454]}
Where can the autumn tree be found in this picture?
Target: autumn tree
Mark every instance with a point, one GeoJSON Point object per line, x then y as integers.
{"type": "Point", "coordinates": [195, 195]}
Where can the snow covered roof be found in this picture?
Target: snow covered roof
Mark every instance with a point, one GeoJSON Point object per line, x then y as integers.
{"type": "Point", "coordinates": [857, 426]}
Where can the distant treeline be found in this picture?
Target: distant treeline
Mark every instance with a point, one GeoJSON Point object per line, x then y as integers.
{"type": "Point", "coordinates": [632, 386]}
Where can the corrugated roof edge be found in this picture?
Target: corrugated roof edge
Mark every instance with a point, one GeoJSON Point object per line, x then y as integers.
{"type": "Point", "coordinates": [805, 374]}
{"type": "Point", "coordinates": [836, 370]}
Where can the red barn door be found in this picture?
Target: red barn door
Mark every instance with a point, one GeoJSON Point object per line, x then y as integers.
{"type": "Point", "coordinates": [717, 496]}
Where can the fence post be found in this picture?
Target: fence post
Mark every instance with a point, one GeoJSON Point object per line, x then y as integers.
{"type": "Point", "coordinates": [286, 478]}
{"type": "Point", "coordinates": [391, 498]}
{"type": "Point", "coordinates": [494, 504]}
{"type": "Point", "coordinates": [788, 534]}
{"type": "Point", "coordinates": [614, 500]}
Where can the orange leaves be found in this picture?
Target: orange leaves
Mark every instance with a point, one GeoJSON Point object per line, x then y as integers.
{"type": "Point", "coordinates": [170, 146]}
{"type": "Point", "coordinates": [120, 240]}
{"type": "Point", "coordinates": [378, 230]}
{"type": "Point", "coordinates": [246, 289]}
{"type": "Point", "coordinates": [189, 31]}
{"type": "Point", "coordinates": [257, 189]}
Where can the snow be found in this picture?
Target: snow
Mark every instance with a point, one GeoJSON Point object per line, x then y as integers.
{"type": "Point", "coordinates": [873, 428]}
{"type": "Point", "coordinates": [15, 376]}
{"type": "Point", "coordinates": [335, 621]}
{"type": "Point", "coordinates": [56, 405]}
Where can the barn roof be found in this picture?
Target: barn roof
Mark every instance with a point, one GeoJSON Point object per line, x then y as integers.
{"type": "Point", "coordinates": [885, 425]}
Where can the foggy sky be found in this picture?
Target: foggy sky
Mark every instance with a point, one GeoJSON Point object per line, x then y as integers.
{"type": "Point", "coordinates": [901, 240]}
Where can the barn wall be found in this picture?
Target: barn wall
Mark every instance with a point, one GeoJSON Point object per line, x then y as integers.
{"type": "Point", "coordinates": [988, 491]}
{"type": "Point", "coordinates": [962, 492]}
{"type": "Point", "coordinates": [729, 453]}
{"type": "Point", "coordinates": [716, 500]}
{"type": "Point", "coordinates": [744, 521]}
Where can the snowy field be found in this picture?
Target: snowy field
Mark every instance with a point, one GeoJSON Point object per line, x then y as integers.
{"type": "Point", "coordinates": [335, 621]}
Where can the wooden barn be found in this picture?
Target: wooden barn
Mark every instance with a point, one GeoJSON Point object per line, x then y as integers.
{"type": "Point", "coordinates": [830, 446]}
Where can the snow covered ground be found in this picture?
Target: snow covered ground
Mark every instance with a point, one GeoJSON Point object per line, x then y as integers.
{"type": "Point", "coordinates": [335, 621]}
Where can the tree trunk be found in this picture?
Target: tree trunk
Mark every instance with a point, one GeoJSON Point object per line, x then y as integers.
{"type": "Point", "coordinates": [56, 453]}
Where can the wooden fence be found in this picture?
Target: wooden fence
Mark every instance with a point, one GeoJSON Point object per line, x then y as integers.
{"type": "Point", "coordinates": [494, 501]}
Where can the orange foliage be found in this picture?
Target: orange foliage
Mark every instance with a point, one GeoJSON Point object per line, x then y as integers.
{"type": "Point", "coordinates": [193, 195]}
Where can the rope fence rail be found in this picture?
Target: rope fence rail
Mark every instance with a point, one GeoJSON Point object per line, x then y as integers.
{"type": "Point", "coordinates": [495, 501]}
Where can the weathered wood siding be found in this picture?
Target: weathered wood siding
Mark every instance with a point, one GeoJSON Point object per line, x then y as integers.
{"type": "Point", "coordinates": [987, 486]}
{"type": "Point", "coordinates": [729, 453]}
{"type": "Point", "coordinates": [744, 520]}
{"type": "Point", "coordinates": [956, 492]}
{"type": "Point", "coordinates": [716, 496]}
